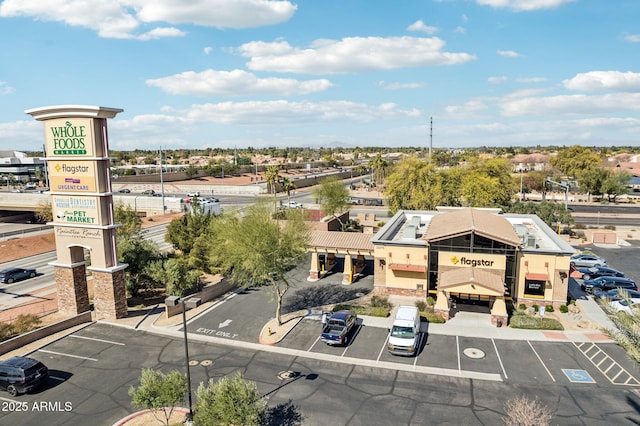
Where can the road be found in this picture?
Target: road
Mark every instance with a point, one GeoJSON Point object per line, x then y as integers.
{"type": "Point", "coordinates": [17, 293]}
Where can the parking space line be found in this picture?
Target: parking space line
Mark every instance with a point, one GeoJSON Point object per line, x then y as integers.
{"type": "Point", "coordinates": [314, 343]}
{"type": "Point", "coordinates": [458, 349]}
{"type": "Point", "coordinates": [69, 355]}
{"type": "Point", "coordinates": [386, 341]}
{"type": "Point", "coordinates": [591, 351]}
{"type": "Point", "coordinates": [97, 340]}
{"type": "Point", "coordinates": [541, 362]}
{"type": "Point", "coordinates": [499, 359]}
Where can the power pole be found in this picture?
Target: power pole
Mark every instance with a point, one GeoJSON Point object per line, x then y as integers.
{"type": "Point", "coordinates": [430, 137]}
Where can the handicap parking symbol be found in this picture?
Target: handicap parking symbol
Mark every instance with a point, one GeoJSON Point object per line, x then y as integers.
{"type": "Point", "coordinates": [578, 376]}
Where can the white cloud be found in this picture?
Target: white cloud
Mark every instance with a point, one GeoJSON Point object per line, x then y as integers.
{"type": "Point", "coordinates": [471, 106]}
{"type": "Point", "coordinates": [634, 38]}
{"type": "Point", "coordinates": [508, 53]}
{"type": "Point", "coordinates": [349, 55]}
{"type": "Point", "coordinates": [605, 80]}
{"type": "Point", "coordinates": [207, 50]}
{"type": "Point", "coordinates": [284, 112]}
{"type": "Point", "coordinates": [122, 18]}
{"type": "Point", "coordinates": [497, 79]}
{"type": "Point", "coordinates": [460, 30]}
{"type": "Point", "coordinates": [524, 5]}
{"type": "Point", "coordinates": [400, 86]}
{"type": "Point", "coordinates": [531, 79]}
{"type": "Point", "coordinates": [420, 26]}
{"type": "Point", "coordinates": [570, 105]}
{"type": "Point", "coordinates": [235, 83]}
{"type": "Point", "coordinates": [5, 89]}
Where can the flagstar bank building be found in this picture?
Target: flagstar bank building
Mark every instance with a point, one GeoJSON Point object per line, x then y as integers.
{"type": "Point", "coordinates": [472, 255]}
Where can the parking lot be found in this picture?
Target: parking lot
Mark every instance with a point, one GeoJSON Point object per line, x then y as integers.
{"type": "Point", "coordinates": [604, 364]}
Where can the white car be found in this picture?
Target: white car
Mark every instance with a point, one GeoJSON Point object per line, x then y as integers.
{"type": "Point", "coordinates": [585, 260]}
{"type": "Point", "coordinates": [623, 305]}
{"type": "Point", "coordinates": [292, 205]}
{"type": "Point", "coordinates": [193, 194]}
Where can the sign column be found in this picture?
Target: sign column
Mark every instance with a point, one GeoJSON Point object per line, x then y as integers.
{"type": "Point", "coordinates": [82, 206]}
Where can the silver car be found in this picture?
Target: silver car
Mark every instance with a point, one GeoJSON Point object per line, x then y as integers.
{"type": "Point", "coordinates": [587, 261]}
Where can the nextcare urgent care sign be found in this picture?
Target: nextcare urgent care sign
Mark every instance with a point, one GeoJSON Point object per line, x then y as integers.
{"type": "Point", "coordinates": [472, 260]}
{"type": "Point", "coordinates": [70, 137]}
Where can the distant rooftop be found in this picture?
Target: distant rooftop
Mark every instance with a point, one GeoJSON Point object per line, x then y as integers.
{"type": "Point", "coordinates": [529, 232]}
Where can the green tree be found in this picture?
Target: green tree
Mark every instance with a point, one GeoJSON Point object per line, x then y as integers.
{"type": "Point", "coordinates": [379, 166]}
{"type": "Point", "coordinates": [272, 176]}
{"type": "Point", "coordinates": [174, 274]}
{"type": "Point", "coordinates": [130, 222]}
{"type": "Point", "coordinates": [44, 213]}
{"type": "Point", "coordinates": [616, 183]}
{"type": "Point", "coordinates": [332, 195]}
{"type": "Point", "coordinates": [592, 180]}
{"type": "Point", "coordinates": [576, 160]}
{"type": "Point", "coordinates": [230, 401]}
{"type": "Point", "coordinates": [257, 249]}
{"type": "Point", "coordinates": [551, 213]}
{"type": "Point", "coordinates": [137, 253]}
{"type": "Point", "coordinates": [288, 185]}
{"type": "Point", "coordinates": [627, 328]}
{"type": "Point", "coordinates": [414, 184]}
{"type": "Point", "coordinates": [159, 392]}
{"type": "Point", "coordinates": [183, 232]}
{"type": "Point", "coordinates": [488, 183]}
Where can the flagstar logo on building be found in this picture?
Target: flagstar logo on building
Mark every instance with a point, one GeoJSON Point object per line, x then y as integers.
{"type": "Point", "coordinates": [455, 260]}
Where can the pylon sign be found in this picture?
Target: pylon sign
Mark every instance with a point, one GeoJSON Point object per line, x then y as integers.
{"type": "Point", "coordinates": [77, 154]}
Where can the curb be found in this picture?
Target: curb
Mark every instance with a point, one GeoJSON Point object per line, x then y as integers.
{"type": "Point", "coordinates": [140, 413]}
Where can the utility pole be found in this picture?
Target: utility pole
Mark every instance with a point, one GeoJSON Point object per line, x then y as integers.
{"type": "Point", "coordinates": [430, 137]}
{"type": "Point", "coordinates": [161, 180]}
{"type": "Point", "coordinates": [566, 191]}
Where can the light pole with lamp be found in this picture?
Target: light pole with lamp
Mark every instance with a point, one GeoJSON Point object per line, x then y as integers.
{"type": "Point", "coordinates": [189, 419]}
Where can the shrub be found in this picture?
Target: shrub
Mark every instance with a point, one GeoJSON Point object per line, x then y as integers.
{"type": "Point", "coordinates": [522, 307]}
{"type": "Point", "coordinates": [378, 311]}
{"type": "Point", "coordinates": [380, 302]}
{"type": "Point", "coordinates": [431, 301]}
{"type": "Point", "coordinates": [572, 302]}
{"type": "Point", "coordinates": [564, 309]}
{"type": "Point", "coordinates": [432, 317]}
{"type": "Point", "coordinates": [535, 308]}
{"type": "Point", "coordinates": [534, 323]}
{"type": "Point", "coordinates": [548, 308]}
{"type": "Point", "coordinates": [25, 323]}
{"type": "Point", "coordinates": [523, 411]}
{"type": "Point", "coordinates": [421, 305]}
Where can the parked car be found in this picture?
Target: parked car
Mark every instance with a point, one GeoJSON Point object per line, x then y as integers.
{"type": "Point", "coordinates": [22, 374]}
{"type": "Point", "coordinates": [608, 283]}
{"type": "Point", "coordinates": [12, 275]}
{"type": "Point", "coordinates": [339, 325]}
{"type": "Point", "coordinates": [125, 191]}
{"type": "Point", "coordinates": [193, 194]}
{"type": "Point", "coordinates": [30, 185]}
{"type": "Point", "coordinates": [292, 205]}
{"type": "Point", "coordinates": [599, 271]}
{"type": "Point", "coordinates": [626, 305]}
{"type": "Point", "coordinates": [617, 294]}
{"type": "Point", "coordinates": [585, 260]}
{"type": "Point", "coordinates": [148, 192]}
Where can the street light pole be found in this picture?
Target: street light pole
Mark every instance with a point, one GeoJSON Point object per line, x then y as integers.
{"type": "Point", "coordinates": [186, 354]}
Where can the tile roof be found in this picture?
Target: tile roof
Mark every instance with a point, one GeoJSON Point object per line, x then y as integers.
{"type": "Point", "coordinates": [341, 240]}
{"type": "Point", "coordinates": [482, 277]}
{"type": "Point", "coordinates": [464, 221]}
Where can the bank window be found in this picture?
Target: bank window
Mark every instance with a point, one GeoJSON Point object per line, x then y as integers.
{"type": "Point", "coordinates": [534, 288]}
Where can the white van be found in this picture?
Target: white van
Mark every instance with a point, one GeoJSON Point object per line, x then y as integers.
{"type": "Point", "coordinates": [404, 336]}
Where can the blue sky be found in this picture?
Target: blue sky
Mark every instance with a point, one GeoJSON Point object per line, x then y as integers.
{"type": "Point", "coordinates": [240, 73]}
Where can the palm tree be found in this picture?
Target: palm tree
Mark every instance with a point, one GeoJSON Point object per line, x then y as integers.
{"type": "Point", "coordinates": [272, 178]}
{"type": "Point", "coordinates": [379, 165]}
{"type": "Point", "coordinates": [288, 185]}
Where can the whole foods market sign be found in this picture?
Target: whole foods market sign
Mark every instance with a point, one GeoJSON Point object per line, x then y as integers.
{"type": "Point", "coordinates": [69, 137]}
